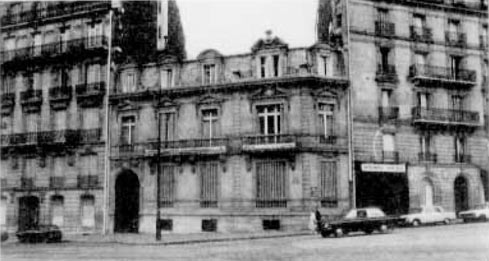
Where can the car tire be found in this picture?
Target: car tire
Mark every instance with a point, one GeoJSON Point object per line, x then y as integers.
{"type": "Point", "coordinates": [338, 232]}
{"type": "Point", "coordinates": [383, 229]}
{"type": "Point", "coordinates": [483, 218]}
{"type": "Point", "coordinates": [446, 221]}
{"type": "Point", "coordinates": [416, 223]}
{"type": "Point", "coordinates": [368, 231]}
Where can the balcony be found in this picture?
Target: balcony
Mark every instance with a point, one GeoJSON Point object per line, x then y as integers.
{"type": "Point", "coordinates": [462, 158]}
{"type": "Point", "coordinates": [271, 203]}
{"type": "Point", "coordinates": [87, 181]}
{"type": "Point", "coordinates": [90, 135]}
{"type": "Point", "coordinates": [63, 50]}
{"type": "Point", "coordinates": [31, 100]}
{"type": "Point", "coordinates": [90, 94]}
{"type": "Point", "coordinates": [386, 73]}
{"type": "Point", "coordinates": [384, 29]}
{"type": "Point", "coordinates": [8, 103]}
{"type": "Point", "coordinates": [26, 183]}
{"type": "Point", "coordinates": [445, 117]}
{"type": "Point", "coordinates": [62, 9]}
{"type": "Point", "coordinates": [59, 97]}
{"type": "Point", "coordinates": [322, 143]}
{"type": "Point", "coordinates": [388, 115]}
{"type": "Point", "coordinates": [263, 143]}
{"type": "Point", "coordinates": [437, 76]}
{"type": "Point", "coordinates": [41, 138]}
{"type": "Point", "coordinates": [427, 157]}
{"type": "Point", "coordinates": [56, 182]}
{"type": "Point", "coordinates": [456, 39]}
{"type": "Point", "coordinates": [421, 34]}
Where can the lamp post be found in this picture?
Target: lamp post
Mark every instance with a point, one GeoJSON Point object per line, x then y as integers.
{"type": "Point", "coordinates": [158, 174]}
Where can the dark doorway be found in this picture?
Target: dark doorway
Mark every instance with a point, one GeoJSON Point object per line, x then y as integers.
{"type": "Point", "coordinates": [28, 212]}
{"type": "Point", "coordinates": [388, 191]}
{"type": "Point", "coordinates": [127, 203]}
{"type": "Point", "coordinates": [461, 191]}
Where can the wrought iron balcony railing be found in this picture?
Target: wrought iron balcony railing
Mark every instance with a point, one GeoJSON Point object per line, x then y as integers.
{"type": "Point", "coordinates": [427, 156]}
{"type": "Point", "coordinates": [89, 89]}
{"type": "Point", "coordinates": [483, 42]}
{"type": "Point", "coordinates": [54, 10]}
{"type": "Point", "coordinates": [60, 92]}
{"type": "Point", "coordinates": [445, 116]}
{"type": "Point", "coordinates": [271, 203]}
{"type": "Point", "coordinates": [90, 135]}
{"type": "Point", "coordinates": [55, 48]}
{"type": "Point", "coordinates": [385, 28]}
{"type": "Point", "coordinates": [386, 73]}
{"type": "Point", "coordinates": [8, 99]}
{"type": "Point", "coordinates": [87, 181]}
{"type": "Point", "coordinates": [269, 139]}
{"type": "Point", "coordinates": [388, 114]}
{"type": "Point", "coordinates": [421, 34]}
{"type": "Point", "coordinates": [462, 158]}
{"type": "Point", "coordinates": [437, 73]}
{"type": "Point", "coordinates": [70, 137]}
{"type": "Point", "coordinates": [56, 182]}
{"type": "Point", "coordinates": [456, 39]}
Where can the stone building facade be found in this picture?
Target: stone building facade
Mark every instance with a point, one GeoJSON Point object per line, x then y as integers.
{"type": "Point", "coordinates": [418, 72]}
{"type": "Point", "coordinates": [245, 142]}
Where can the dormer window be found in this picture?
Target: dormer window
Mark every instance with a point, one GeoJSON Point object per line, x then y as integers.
{"type": "Point", "coordinates": [323, 65]}
{"type": "Point", "coordinates": [269, 66]}
{"type": "Point", "coordinates": [263, 66]}
{"type": "Point", "coordinates": [128, 82]}
{"type": "Point", "coordinates": [209, 73]}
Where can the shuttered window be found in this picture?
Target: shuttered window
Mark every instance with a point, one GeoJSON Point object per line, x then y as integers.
{"type": "Point", "coordinates": [271, 184]}
{"type": "Point", "coordinates": [327, 184]}
{"type": "Point", "coordinates": [167, 186]}
{"type": "Point", "coordinates": [209, 184]}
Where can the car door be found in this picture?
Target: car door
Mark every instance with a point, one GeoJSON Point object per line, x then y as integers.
{"type": "Point", "coordinates": [438, 215]}
{"type": "Point", "coordinates": [427, 216]}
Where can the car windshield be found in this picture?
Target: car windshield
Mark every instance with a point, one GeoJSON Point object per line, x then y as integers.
{"type": "Point", "coordinates": [415, 210]}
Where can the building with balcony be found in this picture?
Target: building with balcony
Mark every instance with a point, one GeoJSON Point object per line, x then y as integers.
{"type": "Point", "coordinates": [417, 71]}
{"type": "Point", "coordinates": [244, 142]}
{"type": "Point", "coordinates": [53, 92]}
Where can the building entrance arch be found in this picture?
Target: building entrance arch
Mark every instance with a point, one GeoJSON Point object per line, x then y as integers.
{"type": "Point", "coordinates": [126, 203]}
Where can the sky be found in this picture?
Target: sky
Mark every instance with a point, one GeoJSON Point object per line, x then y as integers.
{"type": "Point", "coordinates": [233, 26]}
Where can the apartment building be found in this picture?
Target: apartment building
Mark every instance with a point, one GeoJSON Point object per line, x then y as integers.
{"type": "Point", "coordinates": [244, 142]}
{"type": "Point", "coordinates": [418, 72]}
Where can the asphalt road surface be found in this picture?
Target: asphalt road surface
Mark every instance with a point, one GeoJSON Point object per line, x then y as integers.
{"type": "Point", "coordinates": [453, 242]}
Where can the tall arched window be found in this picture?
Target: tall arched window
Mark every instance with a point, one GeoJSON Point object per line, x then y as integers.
{"type": "Point", "coordinates": [427, 193]}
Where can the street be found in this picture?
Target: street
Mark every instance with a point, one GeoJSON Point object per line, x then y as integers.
{"type": "Point", "coordinates": [453, 242]}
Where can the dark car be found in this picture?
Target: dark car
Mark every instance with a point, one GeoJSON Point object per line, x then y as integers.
{"type": "Point", "coordinates": [41, 233]}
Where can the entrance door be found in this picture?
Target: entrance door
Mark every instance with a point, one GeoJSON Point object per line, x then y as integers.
{"type": "Point", "coordinates": [127, 203]}
{"type": "Point", "coordinates": [428, 194]}
{"type": "Point", "coordinates": [28, 212]}
{"type": "Point", "coordinates": [461, 194]}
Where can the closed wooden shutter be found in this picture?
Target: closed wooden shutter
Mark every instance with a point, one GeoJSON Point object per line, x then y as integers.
{"type": "Point", "coordinates": [209, 184]}
{"type": "Point", "coordinates": [271, 184]}
{"type": "Point", "coordinates": [167, 185]}
{"type": "Point", "coordinates": [327, 182]}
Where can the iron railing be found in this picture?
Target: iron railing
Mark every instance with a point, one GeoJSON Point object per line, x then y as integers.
{"type": "Point", "coordinates": [87, 89]}
{"type": "Point", "coordinates": [87, 181]}
{"type": "Point", "coordinates": [26, 183]}
{"type": "Point", "coordinates": [56, 182]}
{"type": "Point", "coordinates": [31, 95]}
{"type": "Point", "coordinates": [442, 73]}
{"type": "Point", "coordinates": [384, 28]}
{"type": "Point", "coordinates": [427, 156]}
{"type": "Point", "coordinates": [462, 158]}
{"type": "Point", "coordinates": [387, 114]}
{"type": "Point", "coordinates": [445, 115]}
{"type": "Point", "coordinates": [70, 137]}
{"type": "Point", "coordinates": [271, 203]}
{"type": "Point", "coordinates": [422, 34]}
{"type": "Point", "coordinates": [386, 73]}
{"type": "Point", "coordinates": [8, 99]}
{"type": "Point", "coordinates": [456, 39]}
{"type": "Point", "coordinates": [269, 139]}
{"type": "Point", "coordinates": [60, 92]}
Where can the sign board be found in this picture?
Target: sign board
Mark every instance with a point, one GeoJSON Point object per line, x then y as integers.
{"type": "Point", "coordinates": [376, 167]}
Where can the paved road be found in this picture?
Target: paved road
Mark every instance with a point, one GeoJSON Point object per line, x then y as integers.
{"type": "Point", "coordinates": [455, 242]}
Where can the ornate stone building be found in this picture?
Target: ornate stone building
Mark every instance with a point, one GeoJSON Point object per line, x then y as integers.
{"type": "Point", "coordinates": [418, 72]}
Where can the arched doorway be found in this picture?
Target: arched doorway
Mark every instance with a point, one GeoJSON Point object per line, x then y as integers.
{"type": "Point", "coordinates": [126, 203]}
{"type": "Point", "coordinates": [427, 193]}
{"type": "Point", "coordinates": [461, 190]}
{"type": "Point", "coordinates": [28, 212]}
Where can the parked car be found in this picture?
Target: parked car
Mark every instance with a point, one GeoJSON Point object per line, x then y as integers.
{"type": "Point", "coordinates": [41, 233]}
{"type": "Point", "coordinates": [428, 215]}
{"type": "Point", "coordinates": [361, 219]}
{"type": "Point", "coordinates": [479, 213]}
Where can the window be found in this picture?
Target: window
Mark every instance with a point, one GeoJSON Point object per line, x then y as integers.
{"type": "Point", "coordinates": [384, 59]}
{"type": "Point", "coordinates": [383, 15]}
{"type": "Point", "coordinates": [276, 65]}
{"type": "Point", "coordinates": [209, 225]}
{"type": "Point", "coordinates": [339, 20]}
{"type": "Point", "coordinates": [166, 78]}
{"type": "Point", "coordinates": [327, 183]}
{"type": "Point", "coordinates": [128, 129]}
{"type": "Point", "coordinates": [263, 67]}
{"type": "Point", "coordinates": [60, 120]}
{"type": "Point", "coordinates": [8, 85]}
{"type": "Point", "coordinates": [209, 184]}
{"type": "Point", "coordinates": [167, 125]}
{"type": "Point", "coordinates": [269, 119]}
{"type": "Point", "coordinates": [453, 27]}
{"type": "Point", "coordinates": [87, 211]}
{"type": "Point", "coordinates": [455, 66]}
{"type": "Point", "coordinates": [210, 128]}
{"type": "Point", "coordinates": [388, 142]}
{"type": "Point", "coordinates": [425, 144]}
{"type": "Point", "coordinates": [95, 35]}
{"type": "Point", "coordinates": [89, 165]}
{"type": "Point", "coordinates": [483, 37]}
{"type": "Point", "coordinates": [94, 73]}
{"type": "Point", "coordinates": [57, 211]}
{"type": "Point", "coordinates": [209, 73]}
{"type": "Point", "coordinates": [323, 65]}
{"type": "Point", "coordinates": [37, 43]}
{"type": "Point", "coordinates": [326, 119]}
{"type": "Point", "coordinates": [385, 98]}
{"type": "Point", "coordinates": [460, 148]}
{"type": "Point", "coordinates": [271, 184]}
{"type": "Point", "coordinates": [418, 23]}
{"type": "Point", "coordinates": [457, 102]}
{"type": "Point", "coordinates": [90, 118]}
{"type": "Point", "coordinates": [424, 100]}
{"type": "Point", "coordinates": [3, 210]}
{"type": "Point", "coordinates": [167, 186]}
{"type": "Point", "coordinates": [129, 82]}
{"type": "Point", "coordinates": [32, 122]}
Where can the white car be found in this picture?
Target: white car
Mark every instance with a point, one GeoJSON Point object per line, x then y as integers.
{"type": "Point", "coordinates": [479, 213]}
{"type": "Point", "coordinates": [427, 215]}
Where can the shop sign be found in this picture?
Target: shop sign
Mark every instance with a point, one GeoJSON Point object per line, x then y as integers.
{"type": "Point", "coordinates": [373, 167]}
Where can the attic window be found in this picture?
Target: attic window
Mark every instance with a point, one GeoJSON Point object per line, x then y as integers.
{"type": "Point", "coordinates": [209, 71]}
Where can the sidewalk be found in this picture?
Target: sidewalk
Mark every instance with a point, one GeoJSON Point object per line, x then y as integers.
{"type": "Point", "coordinates": [175, 239]}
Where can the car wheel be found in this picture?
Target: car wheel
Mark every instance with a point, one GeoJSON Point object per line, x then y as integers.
{"type": "Point", "coordinates": [338, 232]}
{"type": "Point", "coordinates": [383, 228]}
{"type": "Point", "coordinates": [323, 234]}
{"type": "Point", "coordinates": [416, 223]}
{"type": "Point", "coordinates": [446, 221]}
{"type": "Point", "coordinates": [483, 218]}
{"type": "Point", "coordinates": [368, 231]}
